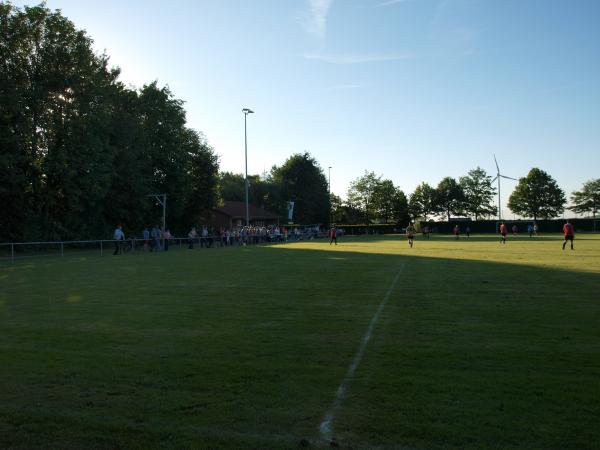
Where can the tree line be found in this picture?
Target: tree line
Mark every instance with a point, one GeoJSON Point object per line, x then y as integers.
{"type": "Point", "coordinates": [537, 196]}
{"type": "Point", "coordinates": [81, 152]}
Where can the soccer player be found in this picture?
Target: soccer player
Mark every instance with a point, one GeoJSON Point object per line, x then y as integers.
{"type": "Point", "coordinates": [569, 234]}
{"type": "Point", "coordinates": [530, 230]}
{"type": "Point", "coordinates": [410, 234]}
{"type": "Point", "coordinates": [456, 231]}
{"type": "Point", "coordinates": [332, 235]}
{"type": "Point", "coordinates": [503, 232]}
{"type": "Point", "coordinates": [515, 229]}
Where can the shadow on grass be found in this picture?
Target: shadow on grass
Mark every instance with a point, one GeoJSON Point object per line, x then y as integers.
{"type": "Point", "coordinates": [246, 347]}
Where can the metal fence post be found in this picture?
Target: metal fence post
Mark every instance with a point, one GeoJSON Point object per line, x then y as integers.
{"type": "Point", "coordinates": [100, 248]}
{"type": "Point", "coordinates": [12, 253]}
{"type": "Point", "coordinates": [62, 249]}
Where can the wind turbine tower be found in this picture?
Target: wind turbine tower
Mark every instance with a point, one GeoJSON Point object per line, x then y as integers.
{"type": "Point", "coordinates": [497, 177]}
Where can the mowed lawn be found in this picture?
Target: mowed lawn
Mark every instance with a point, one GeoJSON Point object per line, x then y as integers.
{"type": "Point", "coordinates": [477, 345]}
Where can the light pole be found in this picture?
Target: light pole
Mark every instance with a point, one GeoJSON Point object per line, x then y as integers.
{"type": "Point", "coordinates": [329, 193]}
{"type": "Point", "coordinates": [162, 200]}
{"type": "Point", "coordinates": [246, 111]}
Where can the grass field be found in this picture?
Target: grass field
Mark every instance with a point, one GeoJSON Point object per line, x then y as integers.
{"type": "Point", "coordinates": [455, 344]}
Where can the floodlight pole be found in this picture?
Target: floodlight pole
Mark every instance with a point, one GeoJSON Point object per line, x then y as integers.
{"type": "Point", "coordinates": [162, 199]}
{"type": "Point", "coordinates": [246, 111]}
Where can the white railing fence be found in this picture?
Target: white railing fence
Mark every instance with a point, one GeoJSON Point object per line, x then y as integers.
{"type": "Point", "coordinates": [13, 251]}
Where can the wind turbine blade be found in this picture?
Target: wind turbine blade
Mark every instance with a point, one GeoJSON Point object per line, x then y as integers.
{"type": "Point", "coordinates": [495, 178]}
{"type": "Point", "coordinates": [498, 168]}
{"type": "Point", "coordinates": [508, 178]}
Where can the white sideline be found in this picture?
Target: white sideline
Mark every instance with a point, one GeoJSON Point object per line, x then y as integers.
{"type": "Point", "coordinates": [325, 426]}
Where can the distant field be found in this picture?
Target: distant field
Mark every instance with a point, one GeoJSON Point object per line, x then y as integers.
{"type": "Point", "coordinates": [451, 344]}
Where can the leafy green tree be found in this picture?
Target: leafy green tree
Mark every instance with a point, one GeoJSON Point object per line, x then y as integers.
{"type": "Point", "coordinates": [55, 100]}
{"type": "Point", "coordinates": [361, 195]}
{"type": "Point", "coordinates": [350, 215]}
{"type": "Point", "coordinates": [537, 195]}
{"type": "Point", "coordinates": [337, 209]}
{"type": "Point", "coordinates": [389, 203]}
{"type": "Point", "coordinates": [262, 191]}
{"type": "Point", "coordinates": [587, 200]}
{"type": "Point", "coordinates": [301, 179]}
{"type": "Point", "coordinates": [400, 208]}
{"type": "Point", "coordinates": [201, 171]}
{"type": "Point", "coordinates": [232, 186]}
{"type": "Point", "coordinates": [383, 200]}
{"type": "Point", "coordinates": [80, 151]}
{"type": "Point", "coordinates": [449, 198]}
{"type": "Point", "coordinates": [422, 201]}
{"type": "Point", "coordinates": [478, 193]}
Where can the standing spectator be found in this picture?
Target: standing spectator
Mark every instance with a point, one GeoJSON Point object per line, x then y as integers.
{"type": "Point", "coordinates": [192, 235]}
{"type": "Point", "coordinates": [530, 230]}
{"type": "Point", "coordinates": [456, 231]}
{"type": "Point", "coordinates": [167, 237]}
{"type": "Point", "coordinates": [468, 231]}
{"type": "Point", "coordinates": [155, 235]}
{"type": "Point", "coordinates": [146, 234]}
{"type": "Point", "coordinates": [515, 229]}
{"type": "Point", "coordinates": [204, 237]}
{"type": "Point", "coordinates": [118, 236]}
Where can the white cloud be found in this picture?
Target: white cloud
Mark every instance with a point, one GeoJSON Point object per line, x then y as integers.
{"type": "Point", "coordinates": [393, 2]}
{"type": "Point", "coordinates": [315, 22]}
{"type": "Point", "coordinates": [356, 58]}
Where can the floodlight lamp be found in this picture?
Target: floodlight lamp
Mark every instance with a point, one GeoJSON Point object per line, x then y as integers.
{"type": "Point", "coordinates": [247, 111]}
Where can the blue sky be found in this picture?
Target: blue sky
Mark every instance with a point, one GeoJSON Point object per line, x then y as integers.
{"type": "Point", "coordinates": [414, 90]}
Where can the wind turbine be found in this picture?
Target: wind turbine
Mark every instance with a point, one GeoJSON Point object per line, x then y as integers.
{"type": "Point", "coordinates": [497, 177]}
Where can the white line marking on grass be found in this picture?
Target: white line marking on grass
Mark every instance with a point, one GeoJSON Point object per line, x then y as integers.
{"type": "Point", "coordinates": [325, 426]}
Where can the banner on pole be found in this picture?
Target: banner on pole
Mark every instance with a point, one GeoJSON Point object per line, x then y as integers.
{"type": "Point", "coordinates": [290, 208]}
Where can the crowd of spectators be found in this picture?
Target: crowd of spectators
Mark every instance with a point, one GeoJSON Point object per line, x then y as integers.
{"type": "Point", "coordinates": [155, 239]}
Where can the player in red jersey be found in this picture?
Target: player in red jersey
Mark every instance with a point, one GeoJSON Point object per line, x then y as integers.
{"type": "Point", "coordinates": [569, 234]}
{"type": "Point", "coordinates": [503, 232]}
{"type": "Point", "coordinates": [332, 235]}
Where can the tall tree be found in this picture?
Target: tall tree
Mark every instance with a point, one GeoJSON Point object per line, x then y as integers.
{"type": "Point", "coordinates": [337, 209]}
{"type": "Point", "coordinates": [384, 200]}
{"type": "Point", "coordinates": [449, 198]}
{"type": "Point", "coordinates": [422, 201]}
{"type": "Point", "coordinates": [400, 207]}
{"type": "Point", "coordinates": [80, 151]}
{"type": "Point", "coordinates": [389, 203]}
{"type": "Point", "coordinates": [362, 192]}
{"type": "Point", "coordinates": [262, 191]}
{"type": "Point", "coordinates": [301, 179]}
{"type": "Point", "coordinates": [587, 200]}
{"type": "Point", "coordinates": [55, 100]}
{"type": "Point", "coordinates": [232, 186]}
{"type": "Point", "coordinates": [478, 193]}
{"type": "Point", "coordinates": [538, 196]}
